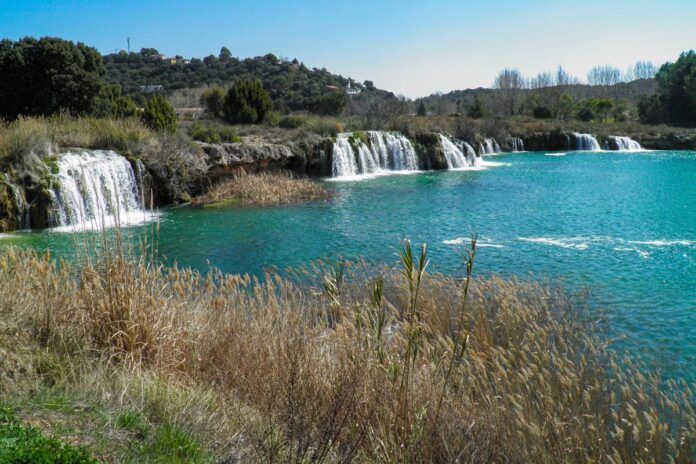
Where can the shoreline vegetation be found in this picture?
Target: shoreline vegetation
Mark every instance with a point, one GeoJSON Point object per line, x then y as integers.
{"type": "Point", "coordinates": [262, 189]}
{"type": "Point", "coordinates": [130, 361]}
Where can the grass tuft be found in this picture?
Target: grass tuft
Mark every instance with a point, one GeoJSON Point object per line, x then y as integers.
{"type": "Point", "coordinates": [263, 189]}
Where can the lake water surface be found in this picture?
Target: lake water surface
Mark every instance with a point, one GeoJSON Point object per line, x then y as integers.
{"type": "Point", "coordinates": [621, 224]}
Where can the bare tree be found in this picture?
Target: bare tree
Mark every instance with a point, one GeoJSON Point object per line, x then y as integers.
{"type": "Point", "coordinates": [541, 81]}
{"type": "Point", "coordinates": [510, 82]}
{"type": "Point", "coordinates": [640, 70]}
{"type": "Point", "coordinates": [563, 78]}
{"type": "Point", "coordinates": [604, 75]}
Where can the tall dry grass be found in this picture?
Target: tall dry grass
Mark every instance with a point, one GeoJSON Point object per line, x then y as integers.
{"type": "Point", "coordinates": [264, 188]}
{"type": "Point", "coordinates": [41, 136]}
{"type": "Point", "coordinates": [355, 363]}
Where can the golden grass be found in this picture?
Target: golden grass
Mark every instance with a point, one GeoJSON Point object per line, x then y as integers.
{"type": "Point", "coordinates": [41, 136]}
{"type": "Point", "coordinates": [354, 363]}
{"type": "Point", "coordinates": [263, 189]}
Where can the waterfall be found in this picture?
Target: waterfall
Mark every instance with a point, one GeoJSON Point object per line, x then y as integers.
{"type": "Point", "coordinates": [343, 158]}
{"type": "Point", "coordinates": [385, 152]}
{"type": "Point", "coordinates": [586, 142]}
{"type": "Point", "coordinates": [94, 189]}
{"type": "Point", "coordinates": [468, 150]}
{"type": "Point", "coordinates": [489, 147]}
{"type": "Point", "coordinates": [458, 156]}
{"type": "Point", "coordinates": [517, 144]}
{"type": "Point", "coordinates": [625, 143]}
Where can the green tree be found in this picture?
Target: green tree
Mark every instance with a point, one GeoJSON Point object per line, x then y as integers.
{"type": "Point", "coordinates": [47, 76]}
{"type": "Point", "coordinates": [421, 109]}
{"type": "Point", "coordinates": [225, 54]}
{"type": "Point", "coordinates": [476, 110]}
{"type": "Point", "coordinates": [565, 106]}
{"type": "Point", "coordinates": [585, 113]}
{"type": "Point", "coordinates": [677, 89]}
{"type": "Point", "coordinates": [149, 51]}
{"type": "Point", "coordinates": [111, 104]}
{"type": "Point", "coordinates": [213, 99]}
{"type": "Point", "coordinates": [650, 110]}
{"type": "Point", "coordinates": [542, 112]}
{"type": "Point", "coordinates": [603, 107]}
{"type": "Point", "coordinates": [330, 104]}
{"type": "Point", "coordinates": [246, 102]}
{"type": "Point", "coordinates": [159, 114]}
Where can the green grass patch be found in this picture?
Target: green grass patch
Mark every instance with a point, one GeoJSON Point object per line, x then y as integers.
{"type": "Point", "coordinates": [20, 444]}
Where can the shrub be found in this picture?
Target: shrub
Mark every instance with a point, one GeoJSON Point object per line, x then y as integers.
{"type": "Point", "coordinates": [213, 100]}
{"type": "Point", "coordinates": [292, 121]}
{"type": "Point", "coordinates": [585, 114]}
{"type": "Point", "coordinates": [111, 104]}
{"type": "Point", "coordinates": [246, 102]}
{"type": "Point", "coordinates": [330, 104]}
{"type": "Point", "coordinates": [542, 112]}
{"type": "Point", "coordinates": [213, 134]}
{"type": "Point", "coordinates": [20, 444]}
{"type": "Point", "coordinates": [650, 110]}
{"type": "Point", "coordinates": [159, 114]}
{"type": "Point", "coordinates": [476, 110]}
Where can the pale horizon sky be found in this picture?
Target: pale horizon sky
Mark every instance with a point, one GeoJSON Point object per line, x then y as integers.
{"type": "Point", "coordinates": [409, 47]}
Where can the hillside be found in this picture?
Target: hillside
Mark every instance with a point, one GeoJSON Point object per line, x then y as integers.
{"type": "Point", "coordinates": [292, 85]}
{"type": "Point", "coordinates": [461, 100]}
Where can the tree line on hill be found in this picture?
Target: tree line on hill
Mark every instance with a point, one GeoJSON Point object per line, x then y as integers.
{"type": "Point", "coordinates": [653, 95]}
{"type": "Point", "coordinates": [50, 75]}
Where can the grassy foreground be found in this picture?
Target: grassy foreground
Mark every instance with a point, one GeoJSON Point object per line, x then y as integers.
{"type": "Point", "coordinates": [263, 189]}
{"type": "Point", "coordinates": [140, 363]}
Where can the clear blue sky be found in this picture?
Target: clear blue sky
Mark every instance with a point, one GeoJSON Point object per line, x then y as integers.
{"type": "Point", "coordinates": [410, 47]}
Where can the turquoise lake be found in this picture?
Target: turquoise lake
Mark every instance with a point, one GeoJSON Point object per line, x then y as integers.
{"type": "Point", "coordinates": [622, 225]}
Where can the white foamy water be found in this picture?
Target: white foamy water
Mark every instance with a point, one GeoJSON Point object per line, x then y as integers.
{"type": "Point", "coordinates": [96, 189]}
{"type": "Point", "coordinates": [387, 152]}
{"type": "Point", "coordinates": [663, 243]}
{"type": "Point", "coordinates": [480, 243]}
{"type": "Point", "coordinates": [577, 243]}
{"type": "Point", "coordinates": [455, 157]}
{"type": "Point", "coordinates": [643, 254]}
{"type": "Point", "coordinates": [586, 142]}
{"type": "Point", "coordinates": [555, 154]}
{"type": "Point", "coordinates": [626, 143]}
{"type": "Point", "coordinates": [517, 144]}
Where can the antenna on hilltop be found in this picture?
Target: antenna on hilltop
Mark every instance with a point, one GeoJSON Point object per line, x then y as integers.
{"type": "Point", "coordinates": [128, 40]}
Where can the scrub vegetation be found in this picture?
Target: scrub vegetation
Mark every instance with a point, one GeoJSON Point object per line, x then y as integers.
{"type": "Point", "coordinates": [349, 362]}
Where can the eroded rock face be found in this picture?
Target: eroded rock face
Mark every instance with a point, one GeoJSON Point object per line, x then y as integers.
{"type": "Point", "coordinates": [548, 141]}
{"type": "Point", "coordinates": [431, 155]}
{"type": "Point", "coordinates": [668, 142]}
{"type": "Point", "coordinates": [302, 158]}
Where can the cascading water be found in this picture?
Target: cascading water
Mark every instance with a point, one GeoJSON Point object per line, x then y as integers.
{"type": "Point", "coordinates": [585, 142]}
{"type": "Point", "coordinates": [517, 144]}
{"type": "Point", "coordinates": [343, 159]}
{"type": "Point", "coordinates": [625, 143]}
{"type": "Point", "coordinates": [96, 188]}
{"type": "Point", "coordinates": [489, 147]}
{"type": "Point", "coordinates": [458, 156]}
{"type": "Point", "coordinates": [387, 151]}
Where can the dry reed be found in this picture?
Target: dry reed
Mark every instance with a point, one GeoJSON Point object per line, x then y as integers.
{"type": "Point", "coordinates": [354, 364]}
{"type": "Point", "coordinates": [263, 189]}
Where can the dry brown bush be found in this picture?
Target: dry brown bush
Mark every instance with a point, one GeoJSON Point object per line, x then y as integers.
{"type": "Point", "coordinates": [263, 189]}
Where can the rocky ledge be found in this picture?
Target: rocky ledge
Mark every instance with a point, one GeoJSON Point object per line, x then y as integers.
{"type": "Point", "coordinates": [311, 158]}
